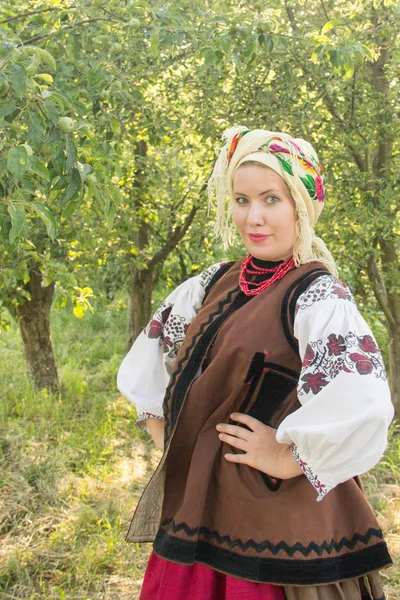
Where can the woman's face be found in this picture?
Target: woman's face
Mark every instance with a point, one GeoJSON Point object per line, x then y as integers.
{"type": "Point", "coordinates": [264, 212]}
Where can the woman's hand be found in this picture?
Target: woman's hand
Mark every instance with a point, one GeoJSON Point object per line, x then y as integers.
{"type": "Point", "coordinates": [156, 429]}
{"type": "Point", "coordinates": [259, 446]}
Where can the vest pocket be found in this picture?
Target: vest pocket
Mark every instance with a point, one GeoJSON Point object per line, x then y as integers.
{"type": "Point", "coordinates": [275, 387]}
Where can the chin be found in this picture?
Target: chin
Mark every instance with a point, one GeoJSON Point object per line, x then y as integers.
{"type": "Point", "coordinates": [258, 253]}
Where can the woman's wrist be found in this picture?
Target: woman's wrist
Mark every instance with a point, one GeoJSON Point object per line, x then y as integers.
{"type": "Point", "coordinates": [284, 466]}
{"type": "Point", "coordinates": [289, 468]}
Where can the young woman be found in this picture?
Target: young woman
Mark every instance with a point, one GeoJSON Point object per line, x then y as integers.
{"type": "Point", "coordinates": [269, 391]}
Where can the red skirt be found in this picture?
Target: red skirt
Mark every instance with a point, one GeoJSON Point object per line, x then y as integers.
{"type": "Point", "coordinates": [166, 580]}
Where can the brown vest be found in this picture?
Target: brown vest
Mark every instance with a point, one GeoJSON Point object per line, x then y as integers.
{"type": "Point", "coordinates": [239, 354]}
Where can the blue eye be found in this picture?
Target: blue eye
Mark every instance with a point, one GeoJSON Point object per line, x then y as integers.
{"type": "Point", "coordinates": [272, 200]}
{"type": "Point", "coordinates": [241, 200]}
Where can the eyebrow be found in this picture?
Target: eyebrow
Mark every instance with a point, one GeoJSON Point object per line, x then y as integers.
{"type": "Point", "coordinates": [262, 193]}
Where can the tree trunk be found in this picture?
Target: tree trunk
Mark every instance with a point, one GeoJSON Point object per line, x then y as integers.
{"type": "Point", "coordinates": [33, 318]}
{"type": "Point", "coordinates": [139, 302]}
{"type": "Point", "coordinates": [394, 366]}
{"type": "Point", "coordinates": [142, 280]}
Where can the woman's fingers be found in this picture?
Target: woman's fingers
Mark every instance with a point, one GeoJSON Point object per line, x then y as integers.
{"type": "Point", "coordinates": [236, 442]}
{"type": "Point", "coordinates": [237, 458]}
{"type": "Point", "coordinates": [251, 422]}
{"type": "Point", "coordinates": [235, 430]}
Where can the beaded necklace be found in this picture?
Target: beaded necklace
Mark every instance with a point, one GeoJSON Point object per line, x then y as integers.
{"type": "Point", "coordinates": [250, 268]}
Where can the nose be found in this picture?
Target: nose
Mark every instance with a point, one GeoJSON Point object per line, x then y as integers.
{"type": "Point", "coordinates": [255, 215]}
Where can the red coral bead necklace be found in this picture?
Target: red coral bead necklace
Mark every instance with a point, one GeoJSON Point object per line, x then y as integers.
{"type": "Point", "coordinates": [249, 267]}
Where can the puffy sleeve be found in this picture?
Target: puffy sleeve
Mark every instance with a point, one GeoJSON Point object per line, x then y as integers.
{"type": "Point", "coordinates": [145, 371]}
{"type": "Point", "coordinates": [340, 430]}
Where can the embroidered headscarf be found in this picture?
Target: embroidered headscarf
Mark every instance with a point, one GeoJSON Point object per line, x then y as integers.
{"type": "Point", "coordinates": [296, 161]}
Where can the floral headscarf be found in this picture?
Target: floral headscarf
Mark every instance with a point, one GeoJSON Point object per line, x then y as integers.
{"type": "Point", "coordinates": [296, 161]}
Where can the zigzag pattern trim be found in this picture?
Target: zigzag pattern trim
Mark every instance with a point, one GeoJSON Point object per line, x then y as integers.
{"type": "Point", "coordinates": [179, 367]}
{"type": "Point", "coordinates": [319, 549]}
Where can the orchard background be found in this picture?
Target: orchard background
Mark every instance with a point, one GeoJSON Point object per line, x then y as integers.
{"type": "Point", "coordinates": [111, 113]}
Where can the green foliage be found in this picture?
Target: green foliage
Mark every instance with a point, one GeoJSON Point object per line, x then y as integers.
{"type": "Point", "coordinates": [83, 84]}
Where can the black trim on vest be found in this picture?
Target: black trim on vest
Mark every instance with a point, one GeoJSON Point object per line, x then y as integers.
{"type": "Point", "coordinates": [281, 369]}
{"type": "Point", "coordinates": [197, 351]}
{"type": "Point", "coordinates": [217, 276]}
{"type": "Point", "coordinates": [287, 318]}
{"type": "Point", "coordinates": [280, 571]}
{"type": "Point", "coordinates": [252, 378]}
{"type": "Point", "coordinates": [274, 389]}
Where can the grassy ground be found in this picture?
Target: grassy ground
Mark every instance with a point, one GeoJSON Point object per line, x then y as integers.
{"type": "Point", "coordinates": [72, 468]}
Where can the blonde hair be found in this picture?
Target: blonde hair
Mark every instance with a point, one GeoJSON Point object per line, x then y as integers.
{"type": "Point", "coordinates": [243, 145]}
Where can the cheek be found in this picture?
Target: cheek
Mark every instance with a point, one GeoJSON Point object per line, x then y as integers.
{"type": "Point", "coordinates": [291, 218]}
{"type": "Point", "coordinates": [237, 216]}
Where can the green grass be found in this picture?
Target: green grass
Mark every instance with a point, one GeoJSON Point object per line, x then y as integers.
{"type": "Point", "coordinates": [73, 466]}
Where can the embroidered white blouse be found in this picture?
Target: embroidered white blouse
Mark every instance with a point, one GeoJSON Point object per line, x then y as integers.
{"type": "Point", "coordinates": [341, 428]}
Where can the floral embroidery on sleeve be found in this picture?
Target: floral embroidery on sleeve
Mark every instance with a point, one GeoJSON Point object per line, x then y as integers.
{"type": "Point", "coordinates": [169, 328]}
{"type": "Point", "coordinates": [325, 359]}
{"type": "Point", "coordinates": [320, 487]}
{"type": "Point", "coordinates": [324, 288]}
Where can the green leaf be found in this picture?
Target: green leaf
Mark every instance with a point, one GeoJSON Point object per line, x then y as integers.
{"type": "Point", "coordinates": [335, 58]}
{"type": "Point", "coordinates": [58, 160]}
{"type": "Point", "coordinates": [17, 161]}
{"type": "Point", "coordinates": [36, 131]}
{"type": "Point", "coordinates": [7, 108]}
{"type": "Point", "coordinates": [74, 185]}
{"type": "Point", "coordinates": [46, 217]}
{"type": "Point", "coordinates": [368, 52]}
{"type": "Point", "coordinates": [72, 154]}
{"type": "Point", "coordinates": [154, 47]}
{"type": "Point", "coordinates": [236, 60]}
{"type": "Point", "coordinates": [349, 72]}
{"type": "Point", "coordinates": [330, 25]}
{"type": "Point", "coordinates": [34, 64]}
{"type": "Point", "coordinates": [3, 166]}
{"type": "Point", "coordinates": [70, 208]}
{"type": "Point", "coordinates": [115, 126]}
{"type": "Point", "coordinates": [45, 77]}
{"type": "Point", "coordinates": [18, 222]}
{"type": "Point", "coordinates": [47, 58]}
{"type": "Point", "coordinates": [18, 77]}
{"type": "Point", "coordinates": [266, 40]}
{"type": "Point", "coordinates": [110, 217]}
{"type": "Point", "coordinates": [84, 170]}
{"type": "Point", "coordinates": [39, 168]}
{"type": "Point", "coordinates": [116, 195]}
{"type": "Point", "coordinates": [62, 101]}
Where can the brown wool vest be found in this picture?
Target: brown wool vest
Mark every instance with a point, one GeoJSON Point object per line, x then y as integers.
{"type": "Point", "coordinates": [239, 354]}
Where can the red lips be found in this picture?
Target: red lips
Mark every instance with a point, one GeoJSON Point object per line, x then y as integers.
{"type": "Point", "coordinates": [258, 237]}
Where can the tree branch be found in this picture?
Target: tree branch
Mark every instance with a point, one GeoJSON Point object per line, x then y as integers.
{"type": "Point", "coordinates": [176, 236]}
{"type": "Point", "coordinates": [325, 11]}
{"type": "Point", "coordinates": [379, 289]}
{"type": "Point", "coordinates": [27, 14]}
{"type": "Point", "coordinates": [292, 20]}
{"type": "Point", "coordinates": [65, 28]}
{"type": "Point", "coordinates": [353, 98]}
